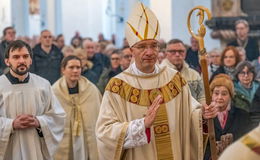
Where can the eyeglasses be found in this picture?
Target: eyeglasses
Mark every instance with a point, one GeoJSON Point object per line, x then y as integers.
{"type": "Point", "coordinates": [214, 56]}
{"type": "Point", "coordinates": [176, 51]}
{"type": "Point", "coordinates": [143, 47]}
{"type": "Point", "coordinates": [114, 59]}
{"type": "Point", "coordinates": [245, 73]}
{"type": "Point", "coordinates": [127, 56]}
{"type": "Point", "coordinates": [45, 37]}
{"type": "Point", "coordinates": [229, 56]}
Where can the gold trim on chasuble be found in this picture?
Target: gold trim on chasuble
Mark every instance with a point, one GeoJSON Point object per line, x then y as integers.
{"type": "Point", "coordinates": [145, 98]}
{"type": "Point", "coordinates": [77, 124]}
{"type": "Point", "coordinates": [251, 143]}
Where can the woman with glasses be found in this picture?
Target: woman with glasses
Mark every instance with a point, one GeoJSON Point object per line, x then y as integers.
{"type": "Point", "coordinates": [229, 59]}
{"type": "Point", "coordinates": [245, 85]}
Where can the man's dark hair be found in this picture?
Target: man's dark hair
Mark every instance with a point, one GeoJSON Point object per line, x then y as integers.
{"type": "Point", "coordinates": [59, 36]}
{"type": "Point", "coordinates": [174, 41]}
{"type": "Point", "coordinates": [65, 60]}
{"type": "Point", "coordinates": [17, 45]}
{"type": "Point", "coordinates": [7, 28]}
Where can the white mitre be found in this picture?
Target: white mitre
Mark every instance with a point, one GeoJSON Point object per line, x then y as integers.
{"type": "Point", "coordinates": [142, 24]}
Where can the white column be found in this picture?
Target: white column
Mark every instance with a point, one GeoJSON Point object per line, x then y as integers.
{"type": "Point", "coordinates": [51, 15]}
{"type": "Point", "coordinates": [172, 15]}
{"type": "Point", "coordinates": [20, 16]}
{"type": "Point", "coordinates": [163, 11]}
{"type": "Point", "coordinates": [5, 14]}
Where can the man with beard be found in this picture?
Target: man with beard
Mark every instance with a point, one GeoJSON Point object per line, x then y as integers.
{"type": "Point", "coordinates": [31, 117]}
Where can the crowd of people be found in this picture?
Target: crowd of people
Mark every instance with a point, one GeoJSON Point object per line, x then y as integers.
{"type": "Point", "coordinates": [149, 87]}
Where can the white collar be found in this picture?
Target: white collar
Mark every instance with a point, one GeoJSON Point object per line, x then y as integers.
{"type": "Point", "coordinates": [136, 71]}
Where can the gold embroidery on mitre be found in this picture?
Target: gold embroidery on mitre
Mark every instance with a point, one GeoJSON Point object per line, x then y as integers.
{"type": "Point", "coordinates": [142, 25]}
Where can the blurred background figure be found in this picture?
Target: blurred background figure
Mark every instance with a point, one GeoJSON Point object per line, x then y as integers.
{"type": "Point", "coordinates": [229, 60]}
{"type": "Point", "coordinates": [192, 57]}
{"type": "Point", "coordinates": [256, 64]}
{"type": "Point", "coordinates": [67, 51]}
{"type": "Point", "coordinates": [255, 109]}
{"type": "Point", "coordinates": [245, 85]}
{"type": "Point", "coordinates": [161, 56]}
{"type": "Point", "coordinates": [60, 42]}
{"type": "Point", "coordinates": [47, 58]}
{"type": "Point", "coordinates": [213, 61]}
{"type": "Point", "coordinates": [242, 53]}
{"type": "Point", "coordinates": [110, 72]}
{"type": "Point", "coordinates": [9, 35]}
{"type": "Point", "coordinates": [76, 42]}
{"type": "Point", "coordinates": [126, 58]}
{"type": "Point", "coordinates": [87, 65]}
{"type": "Point", "coordinates": [244, 41]}
{"type": "Point", "coordinates": [175, 59]}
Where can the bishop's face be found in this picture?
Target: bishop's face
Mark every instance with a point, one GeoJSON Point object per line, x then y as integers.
{"type": "Point", "coordinates": [145, 54]}
{"type": "Point", "coordinates": [19, 61]}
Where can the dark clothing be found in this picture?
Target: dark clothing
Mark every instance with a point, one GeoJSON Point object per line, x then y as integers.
{"type": "Point", "coordinates": [255, 109]}
{"type": "Point", "coordinates": [106, 75]}
{"type": "Point", "coordinates": [218, 71]}
{"type": "Point", "coordinates": [3, 46]}
{"type": "Point", "coordinates": [225, 70]}
{"type": "Point", "coordinates": [252, 48]}
{"type": "Point", "coordinates": [74, 90]}
{"type": "Point", "coordinates": [15, 80]}
{"type": "Point", "coordinates": [192, 58]}
{"type": "Point", "coordinates": [47, 65]}
{"type": "Point", "coordinates": [98, 65]}
{"type": "Point", "coordinates": [244, 96]}
{"type": "Point", "coordinates": [238, 123]}
{"type": "Point", "coordinates": [90, 75]}
{"type": "Point", "coordinates": [104, 59]}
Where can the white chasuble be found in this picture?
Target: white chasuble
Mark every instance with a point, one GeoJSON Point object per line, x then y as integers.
{"type": "Point", "coordinates": [35, 98]}
{"type": "Point", "coordinates": [177, 130]}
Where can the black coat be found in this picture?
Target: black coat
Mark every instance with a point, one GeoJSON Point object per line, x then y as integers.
{"type": "Point", "coordinates": [3, 46]}
{"type": "Point", "coordinates": [47, 65]}
{"type": "Point", "coordinates": [218, 71]}
{"type": "Point", "coordinates": [192, 58]}
{"type": "Point", "coordinates": [252, 48]}
{"type": "Point", "coordinates": [238, 123]}
{"type": "Point", "coordinates": [255, 109]}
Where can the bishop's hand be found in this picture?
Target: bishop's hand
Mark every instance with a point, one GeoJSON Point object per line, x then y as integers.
{"type": "Point", "coordinates": [152, 111]}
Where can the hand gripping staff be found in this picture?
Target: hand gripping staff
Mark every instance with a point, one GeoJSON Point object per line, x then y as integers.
{"type": "Point", "coordinates": [204, 69]}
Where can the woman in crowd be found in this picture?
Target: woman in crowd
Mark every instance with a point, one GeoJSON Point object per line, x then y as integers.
{"type": "Point", "coordinates": [245, 85]}
{"type": "Point", "coordinates": [229, 59]}
{"type": "Point", "coordinates": [230, 119]}
{"type": "Point", "coordinates": [80, 100]}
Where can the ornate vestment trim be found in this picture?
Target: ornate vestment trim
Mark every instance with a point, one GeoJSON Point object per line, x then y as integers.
{"type": "Point", "coordinates": [251, 143]}
{"type": "Point", "coordinates": [145, 98]}
{"type": "Point", "coordinates": [120, 142]}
